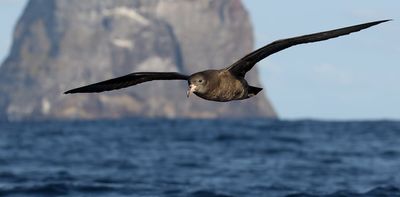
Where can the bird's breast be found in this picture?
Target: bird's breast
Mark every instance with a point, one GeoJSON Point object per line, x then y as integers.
{"type": "Point", "coordinates": [227, 88]}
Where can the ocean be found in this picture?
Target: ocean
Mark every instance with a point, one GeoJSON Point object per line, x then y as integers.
{"type": "Point", "coordinates": [200, 158]}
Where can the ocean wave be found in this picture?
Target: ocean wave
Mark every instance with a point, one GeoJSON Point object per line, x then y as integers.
{"type": "Point", "coordinates": [55, 189]}
{"type": "Point", "coordinates": [388, 191]}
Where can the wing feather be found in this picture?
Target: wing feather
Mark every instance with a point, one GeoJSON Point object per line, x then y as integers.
{"type": "Point", "coordinates": [127, 80]}
{"type": "Point", "coordinates": [241, 67]}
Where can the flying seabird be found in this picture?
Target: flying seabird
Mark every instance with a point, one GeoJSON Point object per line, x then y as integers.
{"type": "Point", "coordinates": [225, 84]}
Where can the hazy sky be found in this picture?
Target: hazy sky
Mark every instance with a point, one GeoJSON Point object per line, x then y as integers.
{"type": "Point", "coordinates": [352, 77]}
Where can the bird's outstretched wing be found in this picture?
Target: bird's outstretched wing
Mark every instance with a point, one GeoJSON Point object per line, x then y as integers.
{"type": "Point", "coordinates": [241, 67]}
{"type": "Point", "coordinates": [127, 80]}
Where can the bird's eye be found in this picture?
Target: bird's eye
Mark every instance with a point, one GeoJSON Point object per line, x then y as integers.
{"type": "Point", "coordinates": [200, 81]}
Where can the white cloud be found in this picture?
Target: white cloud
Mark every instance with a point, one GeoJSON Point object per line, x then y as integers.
{"type": "Point", "coordinates": [333, 74]}
{"type": "Point", "coordinates": [12, 2]}
{"type": "Point", "coordinates": [367, 13]}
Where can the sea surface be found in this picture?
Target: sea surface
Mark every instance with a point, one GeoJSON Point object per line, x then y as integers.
{"type": "Point", "coordinates": [200, 158]}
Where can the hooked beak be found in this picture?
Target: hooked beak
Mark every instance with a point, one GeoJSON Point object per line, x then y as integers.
{"type": "Point", "coordinates": [190, 90]}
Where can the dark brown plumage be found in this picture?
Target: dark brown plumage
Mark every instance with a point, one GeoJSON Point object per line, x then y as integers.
{"type": "Point", "coordinates": [226, 84]}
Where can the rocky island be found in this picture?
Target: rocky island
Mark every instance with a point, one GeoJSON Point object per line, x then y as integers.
{"type": "Point", "coordinates": [61, 44]}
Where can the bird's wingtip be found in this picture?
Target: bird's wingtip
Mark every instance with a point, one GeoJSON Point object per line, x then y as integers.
{"type": "Point", "coordinates": [69, 92]}
{"type": "Point", "coordinates": [377, 22]}
{"type": "Point", "coordinates": [383, 21]}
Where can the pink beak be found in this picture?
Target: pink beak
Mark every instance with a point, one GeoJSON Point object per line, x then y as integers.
{"type": "Point", "coordinates": [190, 90]}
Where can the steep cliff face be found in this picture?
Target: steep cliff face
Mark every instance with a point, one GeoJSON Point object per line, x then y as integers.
{"type": "Point", "coordinates": [63, 44]}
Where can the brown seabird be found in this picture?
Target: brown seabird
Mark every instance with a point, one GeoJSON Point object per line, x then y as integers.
{"type": "Point", "coordinates": [226, 84]}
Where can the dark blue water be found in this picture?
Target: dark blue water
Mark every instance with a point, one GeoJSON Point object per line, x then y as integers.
{"type": "Point", "coordinates": [199, 158]}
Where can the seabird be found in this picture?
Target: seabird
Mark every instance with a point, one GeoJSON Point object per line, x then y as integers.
{"type": "Point", "coordinates": [225, 84]}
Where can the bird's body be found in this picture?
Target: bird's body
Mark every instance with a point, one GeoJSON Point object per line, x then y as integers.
{"type": "Point", "coordinates": [226, 84]}
{"type": "Point", "coordinates": [224, 87]}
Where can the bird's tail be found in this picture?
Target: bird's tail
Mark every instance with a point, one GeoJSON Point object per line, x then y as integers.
{"type": "Point", "coordinates": [252, 91]}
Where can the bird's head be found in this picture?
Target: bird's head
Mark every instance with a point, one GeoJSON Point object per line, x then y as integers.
{"type": "Point", "coordinates": [198, 84]}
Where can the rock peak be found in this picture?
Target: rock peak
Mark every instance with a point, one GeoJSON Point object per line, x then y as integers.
{"type": "Point", "coordinates": [63, 44]}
